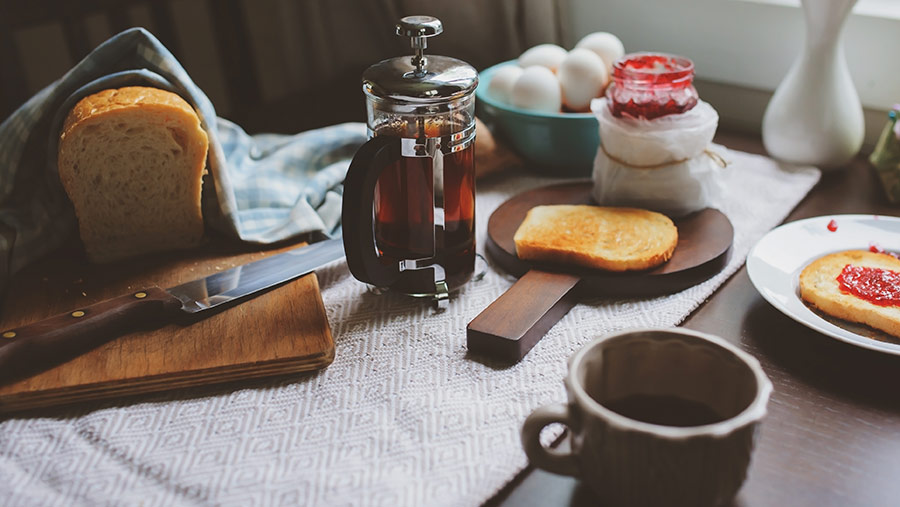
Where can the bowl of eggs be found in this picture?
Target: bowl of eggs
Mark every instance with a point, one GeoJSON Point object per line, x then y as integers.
{"type": "Point", "coordinates": [539, 104]}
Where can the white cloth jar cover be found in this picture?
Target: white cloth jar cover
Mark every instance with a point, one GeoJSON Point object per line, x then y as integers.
{"type": "Point", "coordinates": [666, 164]}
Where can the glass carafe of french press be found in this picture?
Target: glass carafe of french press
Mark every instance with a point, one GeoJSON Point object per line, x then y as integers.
{"type": "Point", "coordinates": [409, 196]}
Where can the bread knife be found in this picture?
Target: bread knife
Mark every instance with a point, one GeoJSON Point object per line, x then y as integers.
{"type": "Point", "coordinates": [35, 347]}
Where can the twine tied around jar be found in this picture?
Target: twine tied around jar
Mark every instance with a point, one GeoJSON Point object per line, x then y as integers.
{"type": "Point", "coordinates": [721, 162]}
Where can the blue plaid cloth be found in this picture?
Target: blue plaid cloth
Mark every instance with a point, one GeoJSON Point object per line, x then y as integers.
{"type": "Point", "coordinates": [263, 188]}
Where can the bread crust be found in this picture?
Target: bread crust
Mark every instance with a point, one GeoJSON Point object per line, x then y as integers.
{"type": "Point", "coordinates": [147, 230]}
{"type": "Point", "coordinates": [819, 287]}
{"type": "Point", "coordinates": [129, 97]}
{"type": "Point", "coordinates": [597, 237]}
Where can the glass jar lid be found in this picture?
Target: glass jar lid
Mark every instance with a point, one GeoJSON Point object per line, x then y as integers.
{"type": "Point", "coordinates": [417, 78]}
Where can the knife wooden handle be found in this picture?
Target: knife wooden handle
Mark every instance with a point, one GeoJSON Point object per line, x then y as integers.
{"type": "Point", "coordinates": [508, 328]}
{"type": "Point", "coordinates": [39, 346]}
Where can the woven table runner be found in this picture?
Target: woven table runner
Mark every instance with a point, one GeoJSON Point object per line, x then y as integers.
{"type": "Point", "coordinates": [402, 416]}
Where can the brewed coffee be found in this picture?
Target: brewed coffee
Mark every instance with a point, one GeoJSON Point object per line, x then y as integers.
{"type": "Point", "coordinates": [664, 410]}
{"type": "Point", "coordinates": [404, 215]}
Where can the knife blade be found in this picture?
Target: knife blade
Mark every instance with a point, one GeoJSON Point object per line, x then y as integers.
{"type": "Point", "coordinates": [35, 347]}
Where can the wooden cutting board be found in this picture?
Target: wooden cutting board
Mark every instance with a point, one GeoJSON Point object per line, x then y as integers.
{"type": "Point", "coordinates": [508, 328]}
{"type": "Point", "coordinates": [282, 331]}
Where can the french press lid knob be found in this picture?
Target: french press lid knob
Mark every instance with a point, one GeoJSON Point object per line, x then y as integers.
{"type": "Point", "coordinates": [418, 29]}
{"type": "Point", "coordinates": [419, 26]}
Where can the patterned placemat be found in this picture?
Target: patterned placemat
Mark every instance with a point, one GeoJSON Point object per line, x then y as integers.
{"type": "Point", "coordinates": [402, 416]}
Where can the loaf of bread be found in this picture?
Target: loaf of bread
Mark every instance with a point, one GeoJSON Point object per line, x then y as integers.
{"type": "Point", "coordinates": [131, 161]}
{"type": "Point", "coordinates": [819, 287]}
{"type": "Point", "coordinates": [613, 239]}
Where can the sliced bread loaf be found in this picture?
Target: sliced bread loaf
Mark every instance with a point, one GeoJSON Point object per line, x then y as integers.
{"type": "Point", "coordinates": [819, 287]}
{"type": "Point", "coordinates": [614, 239]}
{"type": "Point", "coordinates": [131, 161]}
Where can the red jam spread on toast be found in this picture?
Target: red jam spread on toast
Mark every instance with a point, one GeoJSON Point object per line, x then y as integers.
{"type": "Point", "coordinates": [878, 286]}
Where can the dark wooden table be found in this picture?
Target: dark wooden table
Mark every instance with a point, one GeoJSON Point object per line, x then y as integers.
{"type": "Point", "coordinates": [832, 436]}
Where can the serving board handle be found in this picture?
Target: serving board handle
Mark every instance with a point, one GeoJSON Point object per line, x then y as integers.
{"type": "Point", "coordinates": [508, 328]}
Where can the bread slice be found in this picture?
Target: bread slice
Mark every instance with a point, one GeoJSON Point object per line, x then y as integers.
{"type": "Point", "coordinates": [131, 161]}
{"type": "Point", "coordinates": [820, 288]}
{"type": "Point", "coordinates": [614, 239]}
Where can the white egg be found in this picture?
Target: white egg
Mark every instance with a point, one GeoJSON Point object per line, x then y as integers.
{"type": "Point", "coordinates": [501, 85]}
{"type": "Point", "coordinates": [537, 89]}
{"type": "Point", "coordinates": [582, 77]}
{"type": "Point", "coordinates": [545, 55]}
{"type": "Point", "coordinates": [606, 45]}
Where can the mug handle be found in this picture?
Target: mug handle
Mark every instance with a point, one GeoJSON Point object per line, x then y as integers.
{"type": "Point", "coordinates": [551, 460]}
{"type": "Point", "coordinates": [357, 214]}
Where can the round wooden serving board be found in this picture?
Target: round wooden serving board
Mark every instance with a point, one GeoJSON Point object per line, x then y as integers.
{"type": "Point", "coordinates": [510, 326]}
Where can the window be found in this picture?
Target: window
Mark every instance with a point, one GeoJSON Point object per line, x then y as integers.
{"type": "Point", "coordinates": [742, 49]}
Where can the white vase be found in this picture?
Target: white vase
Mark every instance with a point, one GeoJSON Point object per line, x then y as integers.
{"type": "Point", "coordinates": [815, 116]}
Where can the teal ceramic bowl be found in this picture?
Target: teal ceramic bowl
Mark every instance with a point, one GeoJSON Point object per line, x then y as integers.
{"type": "Point", "coordinates": [552, 143]}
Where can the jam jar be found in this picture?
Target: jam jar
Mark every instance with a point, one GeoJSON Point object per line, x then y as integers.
{"type": "Point", "coordinates": [650, 85]}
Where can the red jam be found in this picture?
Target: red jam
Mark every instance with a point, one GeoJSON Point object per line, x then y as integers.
{"type": "Point", "coordinates": [876, 248]}
{"type": "Point", "coordinates": [650, 85]}
{"type": "Point", "coordinates": [878, 286]}
{"type": "Point", "coordinates": [832, 226]}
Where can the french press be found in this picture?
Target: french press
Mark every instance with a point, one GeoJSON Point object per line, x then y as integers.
{"type": "Point", "coordinates": [409, 196]}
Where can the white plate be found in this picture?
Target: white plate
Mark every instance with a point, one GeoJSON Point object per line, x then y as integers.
{"type": "Point", "coordinates": [775, 263]}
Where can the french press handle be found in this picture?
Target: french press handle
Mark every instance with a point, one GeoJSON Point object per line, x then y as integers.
{"type": "Point", "coordinates": [356, 211]}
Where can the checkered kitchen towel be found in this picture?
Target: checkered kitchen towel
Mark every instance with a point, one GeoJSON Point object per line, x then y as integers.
{"type": "Point", "coordinates": [264, 188]}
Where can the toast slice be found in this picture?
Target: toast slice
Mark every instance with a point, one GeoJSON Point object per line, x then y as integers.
{"type": "Point", "coordinates": [131, 161]}
{"type": "Point", "coordinates": [608, 238]}
{"type": "Point", "coordinates": [820, 288]}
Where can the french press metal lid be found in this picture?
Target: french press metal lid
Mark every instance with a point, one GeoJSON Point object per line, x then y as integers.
{"type": "Point", "coordinates": [420, 79]}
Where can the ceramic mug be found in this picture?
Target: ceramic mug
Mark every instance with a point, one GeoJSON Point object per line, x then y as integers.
{"type": "Point", "coordinates": [656, 417]}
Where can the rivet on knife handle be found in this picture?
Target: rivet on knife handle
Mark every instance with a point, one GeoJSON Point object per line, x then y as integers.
{"type": "Point", "coordinates": [47, 343]}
